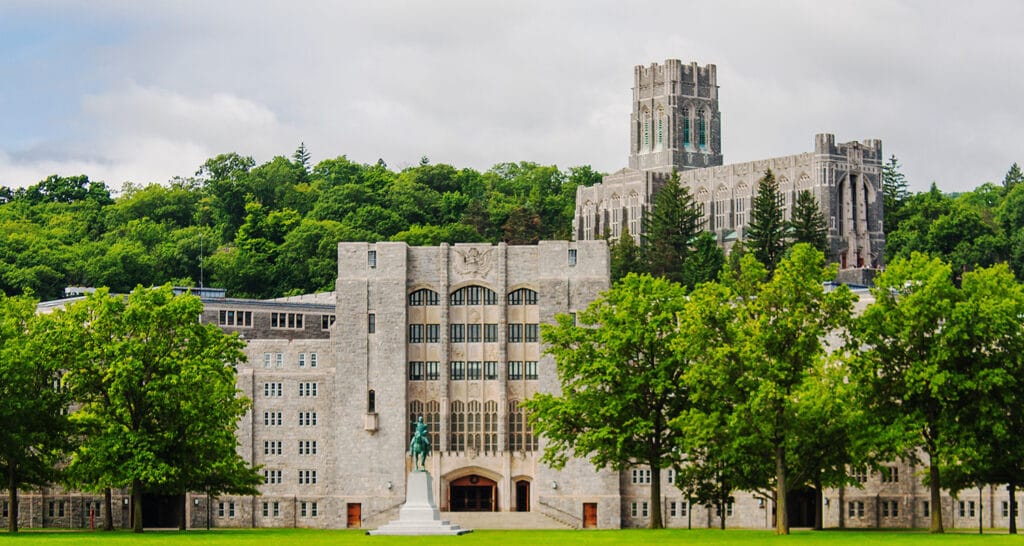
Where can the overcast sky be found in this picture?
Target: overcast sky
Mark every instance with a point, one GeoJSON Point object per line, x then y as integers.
{"type": "Point", "coordinates": [145, 91]}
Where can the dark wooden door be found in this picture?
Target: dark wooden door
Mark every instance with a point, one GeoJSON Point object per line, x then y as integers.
{"type": "Point", "coordinates": [522, 496]}
{"type": "Point", "coordinates": [590, 515]}
{"type": "Point", "coordinates": [355, 515]}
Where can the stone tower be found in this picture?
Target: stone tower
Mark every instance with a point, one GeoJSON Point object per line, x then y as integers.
{"type": "Point", "coordinates": [675, 122]}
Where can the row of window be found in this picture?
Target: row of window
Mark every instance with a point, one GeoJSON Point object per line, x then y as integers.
{"type": "Point", "coordinates": [472, 370]}
{"type": "Point", "coordinates": [473, 333]}
{"type": "Point", "coordinates": [473, 426]}
{"type": "Point", "coordinates": [276, 360]}
{"type": "Point", "coordinates": [273, 477]}
{"type": "Point", "coordinates": [475, 295]}
{"type": "Point", "coordinates": [890, 474]}
{"type": "Point", "coordinates": [292, 321]}
{"type": "Point", "coordinates": [307, 509]}
{"type": "Point", "coordinates": [891, 509]}
{"type": "Point", "coordinates": [276, 447]}
{"type": "Point", "coordinates": [702, 129]}
{"type": "Point", "coordinates": [276, 418]}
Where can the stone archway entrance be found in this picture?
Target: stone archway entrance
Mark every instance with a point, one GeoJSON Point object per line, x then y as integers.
{"type": "Point", "coordinates": [473, 493]}
{"type": "Point", "coordinates": [522, 496]}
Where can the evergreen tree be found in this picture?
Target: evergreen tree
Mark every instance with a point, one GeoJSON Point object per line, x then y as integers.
{"type": "Point", "coordinates": [704, 263]}
{"type": "Point", "coordinates": [1013, 177]}
{"type": "Point", "coordinates": [625, 256]}
{"type": "Point", "coordinates": [894, 193]}
{"type": "Point", "coordinates": [766, 232]}
{"type": "Point", "coordinates": [808, 224]}
{"type": "Point", "coordinates": [301, 156]}
{"type": "Point", "coordinates": [669, 228]}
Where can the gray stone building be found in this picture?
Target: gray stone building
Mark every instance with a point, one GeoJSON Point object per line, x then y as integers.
{"type": "Point", "coordinates": [675, 126]}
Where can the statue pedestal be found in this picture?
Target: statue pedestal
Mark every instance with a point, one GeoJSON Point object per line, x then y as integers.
{"type": "Point", "coordinates": [419, 515]}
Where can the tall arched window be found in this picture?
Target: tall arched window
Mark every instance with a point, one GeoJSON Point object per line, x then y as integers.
{"type": "Point", "coordinates": [522, 296]}
{"type": "Point", "coordinates": [686, 127]}
{"type": "Point", "coordinates": [457, 427]}
{"type": "Point", "coordinates": [702, 129]}
{"type": "Point", "coordinates": [661, 126]}
{"type": "Point", "coordinates": [473, 295]}
{"type": "Point", "coordinates": [520, 435]}
{"type": "Point", "coordinates": [490, 426]}
{"type": "Point", "coordinates": [616, 220]}
{"type": "Point", "coordinates": [646, 129]}
{"type": "Point", "coordinates": [473, 418]}
{"type": "Point", "coordinates": [423, 296]}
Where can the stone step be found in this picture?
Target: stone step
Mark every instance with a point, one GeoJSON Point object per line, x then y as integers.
{"type": "Point", "coordinates": [502, 520]}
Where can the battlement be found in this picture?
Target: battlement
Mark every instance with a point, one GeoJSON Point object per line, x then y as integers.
{"type": "Point", "coordinates": [675, 78]}
{"type": "Point", "coordinates": [868, 150]}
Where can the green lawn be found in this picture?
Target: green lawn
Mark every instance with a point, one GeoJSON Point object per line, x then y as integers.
{"type": "Point", "coordinates": [305, 537]}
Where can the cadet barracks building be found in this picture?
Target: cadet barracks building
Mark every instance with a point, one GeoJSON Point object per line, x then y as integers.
{"type": "Point", "coordinates": [450, 333]}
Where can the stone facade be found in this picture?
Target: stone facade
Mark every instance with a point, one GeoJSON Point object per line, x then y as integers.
{"type": "Point", "coordinates": [845, 178]}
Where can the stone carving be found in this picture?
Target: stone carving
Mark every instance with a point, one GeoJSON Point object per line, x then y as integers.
{"type": "Point", "coordinates": [474, 262]}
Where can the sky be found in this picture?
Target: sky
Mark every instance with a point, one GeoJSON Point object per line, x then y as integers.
{"type": "Point", "coordinates": [147, 91]}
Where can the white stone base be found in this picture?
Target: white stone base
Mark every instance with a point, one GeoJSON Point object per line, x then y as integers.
{"type": "Point", "coordinates": [419, 515]}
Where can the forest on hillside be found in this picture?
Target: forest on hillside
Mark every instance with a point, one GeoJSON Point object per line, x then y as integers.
{"type": "Point", "coordinates": [272, 229]}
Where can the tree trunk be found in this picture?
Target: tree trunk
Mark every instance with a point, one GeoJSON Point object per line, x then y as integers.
{"type": "Point", "coordinates": [1012, 488]}
{"type": "Point", "coordinates": [656, 521]}
{"type": "Point", "coordinates": [781, 519]}
{"type": "Point", "coordinates": [136, 506]}
{"type": "Point", "coordinates": [818, 500]}
{"type": "Point", "coordinates": [842, 502]}
{"type": "Point", "coordinates": [981, 506]}
{"type": "Point", "coordinates": [936, 499]}
{"type": "Point", "coordinates": [722, 502]}
{"type": "Point", "coordinates": [12, 499]}
{"type": "Point", "coordinates": [108, 514]}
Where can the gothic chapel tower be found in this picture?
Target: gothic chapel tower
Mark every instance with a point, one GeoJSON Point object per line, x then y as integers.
{"type": "Point", "coordinates": [675, 121]}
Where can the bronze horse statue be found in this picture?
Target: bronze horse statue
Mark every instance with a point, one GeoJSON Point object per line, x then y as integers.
{"type": "Point", "coordinates": [419, 446]}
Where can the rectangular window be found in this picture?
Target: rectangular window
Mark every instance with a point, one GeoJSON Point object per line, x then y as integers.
{"type": "Point", "coordinates": [266, 360]}
{"type": "Point", "coordinates": [890, 474]}
{"type": "Point", "coordinates": [643, 509]}
{"type": "Point", "coordinates": [515, 333]}
{"type": "Point", "coordinates": [530, 369]}
{"type": "Point", "coordinates": [302, 360]}
{"type": "Point", "coordinates": [433, 370]}
{"type": "Point", "coordinates": [633, 509]}
{"type": "Point", "coordinates": [670, 476]}
{"type": "Point", "coordinates": [266, 509]}
{"type": "Point", "coordinates": [5, 512]}
{"type": "Point", "coordinates": [307, 447]}
{"type": "Point", "coordinates": [456, 370]}
{"type": "Point", "coordinates": [642, 475]}
{"type": "Point", "coordinates": [415, 333]}
{"type": "Point", "coordinates": [683, 507]}
{"type": "Point", "coordinates": [672, 509]}
{"type": "Point", "coordinates": [271, 477]}
{"type": "Point", "coordinates": [433, 333]}
{"type": "Point", "coordinates": [307, 418]}
{"type": "Point", "coordinates": [473, 369]}
{"type": "Point", "coordinates": [53, 504]}
{"type": "Point", "coordinates": [220, 510]}
{"type": "Point", "coordinates": [231, 509]}
{"type": "Point", "coordinates": [272, 390]}
{"type": "Point", "coordinates": [302, 509]}
{"type": "Point", "coordinates": [1006, 509]}
{"type": "Point", "coordinates": [371, 258]}
{"type": "Point", "coordinates": [885, 509]}
{"type": "Point", "coordinates": [860, 474]}
{"type": "Point", "coordinates": [312, 360]}
{"type": "Point", "coordinates": [272, 418]}
{"type": "Point", "coordinates": [312, 509]}
{"type": "Point", "coordinates": [371, 323]}
{"type": "Point", "coordinates": [272, 447]}
{"type": "Point", "coordinates": [307, 477]}
{"type": "Point", "coordinates": [290, 321]}
{"type": "Point", "coordinates": [515, 369]}
{"type": "Point", "coordinates": [530, 331]}
{"type": "Point", "coordinates": [307, 389]}
{"type": "Point", "coordinates": [925, 509]}
{"type": "Point", "coordinates": [415, 371]}
{"type": "Point", "coordinates": [490, 333]}
{"type": "Point", "coordinates": [277, 508]}
{"type": "Point", "coordinates": [572, 257]}
{"type": "Point", "coordinates": [491, 369]}
{"type": "Point", "coordinates": [279, 360]}
{"type": "Point", "coordinates": [473, 333]}
{"type": "Point", "coordinates": [235, 318]}
{"type": "Point", "coordinates": [457, 333]}
{"type": "Point", "coordinates": [326, 321]}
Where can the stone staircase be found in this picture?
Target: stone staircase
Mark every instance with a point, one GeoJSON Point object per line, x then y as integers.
{"type": "Point", "coordinates": [502, 520]}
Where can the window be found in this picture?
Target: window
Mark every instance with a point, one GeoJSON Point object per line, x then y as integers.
{"type": "Point", "coordinates": [292, 321]}
{"type": "Point", "coordinates": [312, 360]}
{"type": "Point", "coordinates": [307, 389]}
{"type": "Point", "coordinates": [433, 373]}
{"type": "Point", "coordinates": [272, 418]}
{"type": "Point", "coordinates": [220, 510]}
{"type": "Point", "coordinates": [522, 296]}
{"type": "Point", "coordinates": [307, 509]}
{"type": "Point", "coordinates": [1006, 510]}
{"type": "Point", "coordinates": [642, 475]}
{"type": "Point", "coordinates": [683, 507]}
{"type": "Point", "coordinates": [490, 369]}
{"type": "Point", "coordinates": [272, 447]}
{"type": "Point", "coordinates": [307, 477]}
{"type": "Point", "coordinates": [890, 509]}
{"type": "Point", "coordinates": [371, 323]}
{"type": "Point", "coordinates": [660, 130]}
{"type": "Point", "coordinates": [271, 390]}
{"type": "Point", "coordinates": [234, 318]}
{"type": "Point", "coordinates": [856, 509]}
{"type": "Point", "coordinates": [371, 401]}
{"type": "Point", "coordinates": [457, 333]}
{"type": "Point", "coordinates": [670, 476]}
{"type": "Point", "coordinates": [271, 476]}
{"type": "Point", "coordinates": [530, 369]}
{"type": "Point", "coordinates": [473, 369]}
{"type": "Point", "coordinates": [741, 211]}
{"type": "Point", "coordinates": [433, 333]}
{"type": "Point", "coordinates": [307, 447]}
{"type": "Point", "coordinates": [473, 333]}
{"type": "Point", "coordinates": [326, 321]}
{"type": "Point", "coordinates": [890, 474]}
{"type": "Point", "coordinates": [457, 427]}
{"type": "Point", "coordinates": [925, 509]}
{"type": "Point", "coordinates": [490, 333]}
{"type": "Point", "coordinates": [415, 333]}
{"type": "Point", "coordinates": [490, 426]}
{"type": "Point", "coordinates": [515, 369]}
{"type": "Point", "coordinates": [456, 370]}
{"type": "Point", "coordinates": [423, 296]}
{"type": "Point", "coordinates": [702, 129]}
{"type": "Point", "coordinates": [860, 474]}
{"type": "Point", "coordinates": [515, 333]}
{"type": "Point", "coordinates": [686, 128]}
{"type": "Point", "coordinates": [967, 509]}
{"type": "Point", "coordinates": [307, 418]}
{"type": "Point", "coordinates": [371, 258]}
{"type": "Point", "coordinates": [672, 509]}
{"type": "Point", "coordinates": [520, 435]}
{"type": "Point", "coordinates": [572, 257]}
{"type": "Point", "coordinates": [266, 360]}
{"type": "Point", "coordinates": [278, 360]}
{"type": "Point", "coordinates": [302, 360]}
{"type": "Point", "coordinates": [530, 333]}
{"type": "Point", "coordinates": [473, 295]}
{"type": "Point", "coordinates": [5, 512]}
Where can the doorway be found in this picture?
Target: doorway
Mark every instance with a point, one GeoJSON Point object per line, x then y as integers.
{"type": "Point", "coordinates": [800, 507]}
{"type": "Point", "coordinates": [162, 511]}
{"type": "Point", "coordinates": [354, 515]}
{"type": "Point", "coordinates": [590, 515]}
{"type": "Point", "coordinates": [473, 494]}
{"type": "Point", "coordinates": [522, 496]}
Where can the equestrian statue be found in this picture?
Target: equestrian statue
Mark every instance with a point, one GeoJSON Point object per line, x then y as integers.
{"type": "Point", "coordinates": [419, 446]}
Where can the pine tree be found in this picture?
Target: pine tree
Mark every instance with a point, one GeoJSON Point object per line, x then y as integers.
{"type": "Point", "coordinates": [625, 256]}
{"type": "Point", "coordinates": [301, 156]}
{"type": "Point", "coordinates": [1013, 177]}
{"type": "Point", "coordinates": [808, 224]}
{"type": "Point", "coordinates": [704, 263]}
{"type": "Point", "coordinates": [894, 193]}
{"type": "Point", "coordinates": [669, 228]}
{"type": "Point", "coordinates": [766, 232]}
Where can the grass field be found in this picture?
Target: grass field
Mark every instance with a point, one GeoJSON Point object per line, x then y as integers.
{"type": "Point", "coordinates": [306, 537]}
